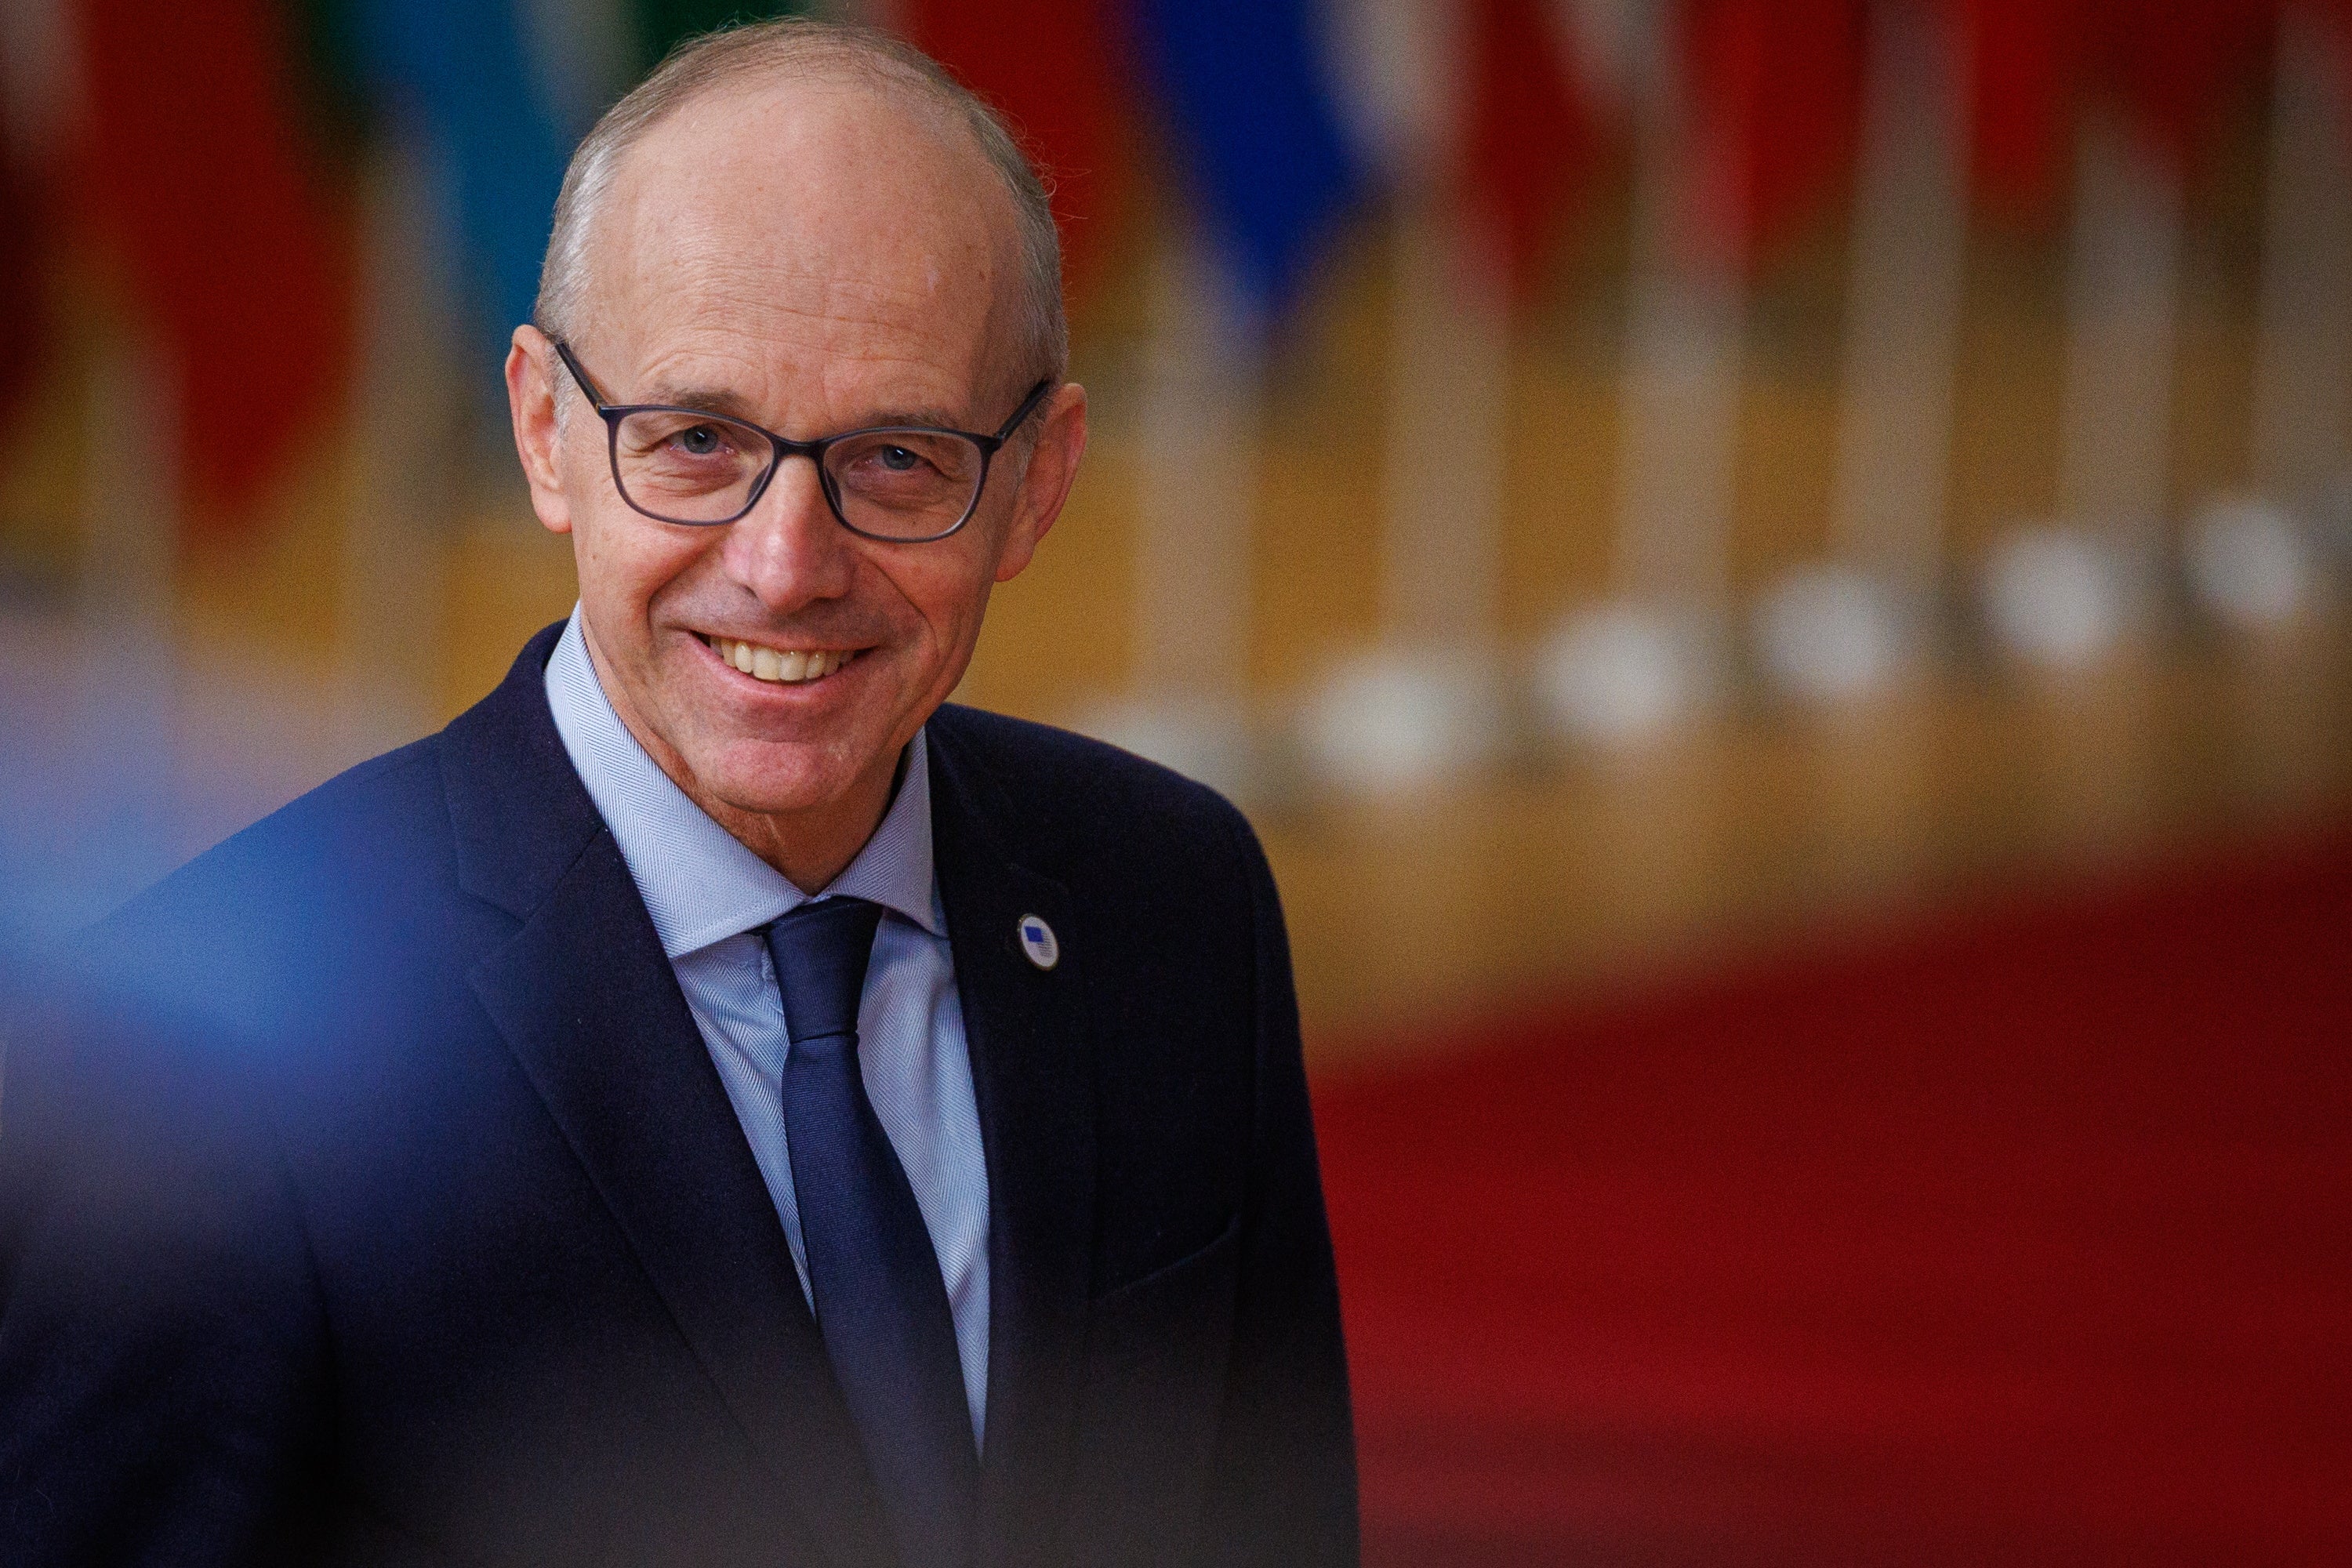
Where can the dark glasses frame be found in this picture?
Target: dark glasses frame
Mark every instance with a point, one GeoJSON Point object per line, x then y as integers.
{"type": "Point", "coordinates": [782, 446]}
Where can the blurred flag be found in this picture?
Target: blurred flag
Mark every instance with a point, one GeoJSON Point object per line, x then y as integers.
{"type": "Point", "coordinates": [2336, 14]}
{"type": "Point", "coordinates": [238, 262]}
{"type": "Point", "coordinates": [1775, 93]}
{"type": "Point", "coordinates": [1531, 136]}
{"type": "Point", "coordinates": [327, 65]}
{"type": "Point", "coordinates": [458, 70]}
{"type": "Point", "coordinates": [2177, 74]}
{"type": "Point", "coordinates": [1248, 109]}
{"type": "Point", "coordinates": [2023, 59]}
{"type": "Point", "coordinates": [24, 322]}
{"type": "Point", "coordinates": [2032, 62]}
{"type": "Point", "coordinates": [1050, 65]}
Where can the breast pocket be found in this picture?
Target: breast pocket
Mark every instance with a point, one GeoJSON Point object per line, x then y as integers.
{"type": "Point", "coordinates": [1155, 1376]}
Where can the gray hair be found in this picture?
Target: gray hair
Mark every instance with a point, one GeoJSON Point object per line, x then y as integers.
{"type": "Point", "coordinates": [793, 46]}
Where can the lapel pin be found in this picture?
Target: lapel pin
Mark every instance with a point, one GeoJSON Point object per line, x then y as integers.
{"type": "Point", "coordinates": [1037, 941]}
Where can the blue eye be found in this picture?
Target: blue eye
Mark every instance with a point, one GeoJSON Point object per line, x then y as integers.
{"type": "Point", "coordinates": [897, 459]}
{"type": "Point", "coordinates": [699, 440]}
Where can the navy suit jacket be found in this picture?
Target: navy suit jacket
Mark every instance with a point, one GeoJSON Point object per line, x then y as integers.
{"type": "Point", "coordinates": [374, 1199]}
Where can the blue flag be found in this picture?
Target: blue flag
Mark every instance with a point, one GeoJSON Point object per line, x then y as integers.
{"type": "Point", "coordinates": [1244, 96]}
{"type": "Point", "coordinates": [459, 69]}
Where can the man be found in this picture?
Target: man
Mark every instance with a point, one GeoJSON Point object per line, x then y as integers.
{"type": "Point", "coordinates": [499, 1155]}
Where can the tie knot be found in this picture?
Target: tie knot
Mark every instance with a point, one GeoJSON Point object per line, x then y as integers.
{"type": "Point", "coordinates": [821, 951]}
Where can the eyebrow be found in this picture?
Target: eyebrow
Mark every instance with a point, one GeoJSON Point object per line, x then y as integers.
{"type": "Point", "coordinates": [725, 402]}
{"type": "Point", "coordinates": [704, 399]}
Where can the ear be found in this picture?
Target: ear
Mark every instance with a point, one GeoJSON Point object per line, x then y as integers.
{"type": "Point", "coordinates": [1045, 477]}
{"type": "Point", "coordinates": [533, 384]}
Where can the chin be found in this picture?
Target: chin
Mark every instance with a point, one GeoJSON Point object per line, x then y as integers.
{"type": "Point", "coordinates": [772, 780]}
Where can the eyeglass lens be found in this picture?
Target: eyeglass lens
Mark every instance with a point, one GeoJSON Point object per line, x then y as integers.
{"type": "Point", "coordinates": [698, 468]}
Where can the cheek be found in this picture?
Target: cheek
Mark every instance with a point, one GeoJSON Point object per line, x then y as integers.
{"type": "Point", "coordinates": [949, 594]}
{"type": "Point", "coordinates": [623, 568]}
{"type": "Point", "coordinates": [606, 574]}
{"type": "Point", "coordinates": [951, 587]}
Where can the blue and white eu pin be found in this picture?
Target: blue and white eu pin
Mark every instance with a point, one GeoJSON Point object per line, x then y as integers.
{"type": "Point", "coordinates": [1037, 941]}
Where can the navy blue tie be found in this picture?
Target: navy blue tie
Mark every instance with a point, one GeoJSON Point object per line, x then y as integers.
{"type": "Point", "coordinates": [881, 1306]}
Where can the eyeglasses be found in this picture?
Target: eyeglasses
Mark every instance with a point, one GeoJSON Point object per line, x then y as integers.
{"type": "Point", "coordinates": [902, 483]}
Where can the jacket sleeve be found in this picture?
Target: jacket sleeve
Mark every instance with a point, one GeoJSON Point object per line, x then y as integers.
{"type": "Point", "coordinates": [1283, 1490]}
{"type": "Point", "coordinates": [161, 1341]}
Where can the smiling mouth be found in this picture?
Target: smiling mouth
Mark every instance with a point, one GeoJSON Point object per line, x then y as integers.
{"type": "Point", "coordinates": [780, 667]}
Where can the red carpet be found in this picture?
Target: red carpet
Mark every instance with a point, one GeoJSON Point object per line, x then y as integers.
{"type": "Point", "coordinates": [2022, 1238]}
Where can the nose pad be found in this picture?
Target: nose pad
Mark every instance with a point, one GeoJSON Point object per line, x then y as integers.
{"type": "Point", "coordinates": [789, 549]}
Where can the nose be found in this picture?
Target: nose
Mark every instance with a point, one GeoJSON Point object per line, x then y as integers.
{"type": "Point", "coordinates": [790, 549]}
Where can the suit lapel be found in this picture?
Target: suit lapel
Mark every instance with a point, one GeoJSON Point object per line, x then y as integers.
{"type": "Point", "coordinates": [587, 1000]}
{"type": "Point", "coordinates": [1033, 1074]}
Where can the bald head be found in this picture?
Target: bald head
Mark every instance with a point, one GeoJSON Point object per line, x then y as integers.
{"type": "Point", "coordinates": [838, 128]}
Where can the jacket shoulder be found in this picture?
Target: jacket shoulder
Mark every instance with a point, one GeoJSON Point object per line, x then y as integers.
{"type": "Point", "coordinates": [241, 932]}
{"type": "Point", "coordinates": [323, 838]}
{"type": "Point", "coordinates": [379, 836]}
{"type": "Point", "coordinates": [1068, 796]}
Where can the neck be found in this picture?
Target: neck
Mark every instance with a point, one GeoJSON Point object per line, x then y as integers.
{"type": "Point", "coordinates": [811, 847]}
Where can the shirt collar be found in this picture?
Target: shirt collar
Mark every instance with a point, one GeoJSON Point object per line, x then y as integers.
{"type": "Point", "coordinates": [699, 882]}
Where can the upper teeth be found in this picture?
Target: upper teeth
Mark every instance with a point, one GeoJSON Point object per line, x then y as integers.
{"type": "Point", "coordinates": [780, 665]}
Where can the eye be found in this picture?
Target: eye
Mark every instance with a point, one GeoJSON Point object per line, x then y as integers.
{"type": "Point", "coordinates": [898, 460]}
{"type": "Point", "coordinates": [699, 440]}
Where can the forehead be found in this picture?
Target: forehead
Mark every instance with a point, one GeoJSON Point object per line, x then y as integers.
{"type": "Point", "coordinates": [827, 240]}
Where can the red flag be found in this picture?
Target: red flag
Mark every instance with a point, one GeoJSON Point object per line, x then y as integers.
{"type": "Point", "coordinates": [238, 260]}
{"type": "Point", "coordinates": [24, 320]}
{"type": "Point", "coordinates": [2024, 63]}
{"type": "Point", "coordinates": [2337, 16]}
{"type": "Point", "coordinates": [1054, 69]}
{"type": "Point", "coordinates": [2177, 73]}
{"type": "Point", "coordinates": [1530, 138]}
{"type": "Point", "coordinates": [2032, 62]}
{"type": "Point", "coordinates": [1774, 91]}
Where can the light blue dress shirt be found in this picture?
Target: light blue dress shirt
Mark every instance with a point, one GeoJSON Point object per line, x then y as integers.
{"type": "Point", "coordinates": [711, 897]}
